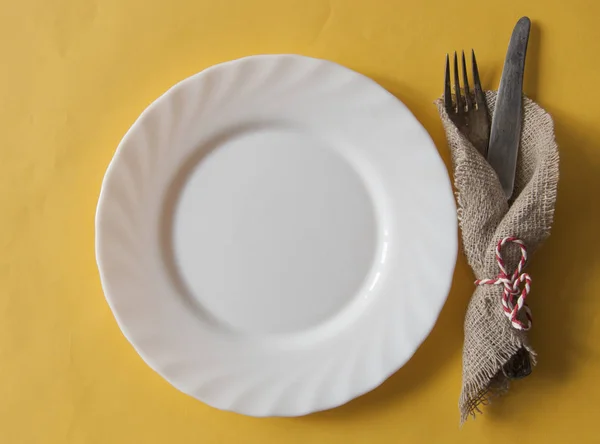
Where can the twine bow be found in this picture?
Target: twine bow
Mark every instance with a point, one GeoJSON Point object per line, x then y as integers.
{"type": "Point", "coordinates": [512, 285]}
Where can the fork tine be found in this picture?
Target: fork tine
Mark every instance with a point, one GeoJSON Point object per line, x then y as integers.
{"type": "Point", "coordinates": [466, 84]}
{"type": "Point", "coordinates": [479, 97]}
{"type": "Point", "coordinates": [459, 103]}
{"type": "Point", "coordinates": [447, 90]}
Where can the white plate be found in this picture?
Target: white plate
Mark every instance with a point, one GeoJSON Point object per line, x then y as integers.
{"type": "Point", "coordinates": [276, 235]}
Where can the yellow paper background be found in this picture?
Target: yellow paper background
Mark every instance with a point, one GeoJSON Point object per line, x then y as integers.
{"type": "Point", "coordinates": [75, 74]}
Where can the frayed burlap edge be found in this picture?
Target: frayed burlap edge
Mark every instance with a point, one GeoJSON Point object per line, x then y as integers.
{"type": "Point", "coordinates": [490, 382]}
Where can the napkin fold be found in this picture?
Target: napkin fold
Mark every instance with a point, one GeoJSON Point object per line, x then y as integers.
{"type": "Point", "coordinates": [485, 218]}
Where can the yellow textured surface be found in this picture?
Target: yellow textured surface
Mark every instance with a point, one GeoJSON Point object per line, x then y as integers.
{"type": "Point", "coordinates": [74, 76]}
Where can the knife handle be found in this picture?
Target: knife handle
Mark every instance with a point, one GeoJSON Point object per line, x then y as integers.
{"type": "Point", "coordinates": [505, 132]}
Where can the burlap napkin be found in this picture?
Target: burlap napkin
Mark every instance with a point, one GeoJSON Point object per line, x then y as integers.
{"type": "Point", "coordinates": [485, 217]}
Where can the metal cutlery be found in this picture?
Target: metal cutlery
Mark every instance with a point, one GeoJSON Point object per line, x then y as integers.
{"type": "Point", "coordinates": [468, 111]}
{"type": "Point", "coordinates": [500, 144]}
{"type": "Point", "coordinates": [508, 115]}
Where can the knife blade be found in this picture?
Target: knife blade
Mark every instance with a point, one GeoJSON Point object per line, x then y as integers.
{"type": "Point", "coordinates": [505, 132]}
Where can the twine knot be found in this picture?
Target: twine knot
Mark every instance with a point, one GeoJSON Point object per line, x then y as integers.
{"type": "Point", "coordinates": [517, 285]}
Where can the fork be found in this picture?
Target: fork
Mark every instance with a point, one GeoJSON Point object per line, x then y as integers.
{"type": "Point", "coordinates": [468, 112]}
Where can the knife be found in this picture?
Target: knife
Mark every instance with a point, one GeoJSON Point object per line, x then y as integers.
{"type": "Point", "coordinates": [505, 132]}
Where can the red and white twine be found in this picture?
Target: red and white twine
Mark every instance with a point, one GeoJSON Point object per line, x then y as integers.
{"type": "Point", "coordinates": [513, 296]}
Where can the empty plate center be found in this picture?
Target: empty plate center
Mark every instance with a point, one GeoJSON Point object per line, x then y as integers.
{"type": "Point", "coordinates": [274, 231]}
